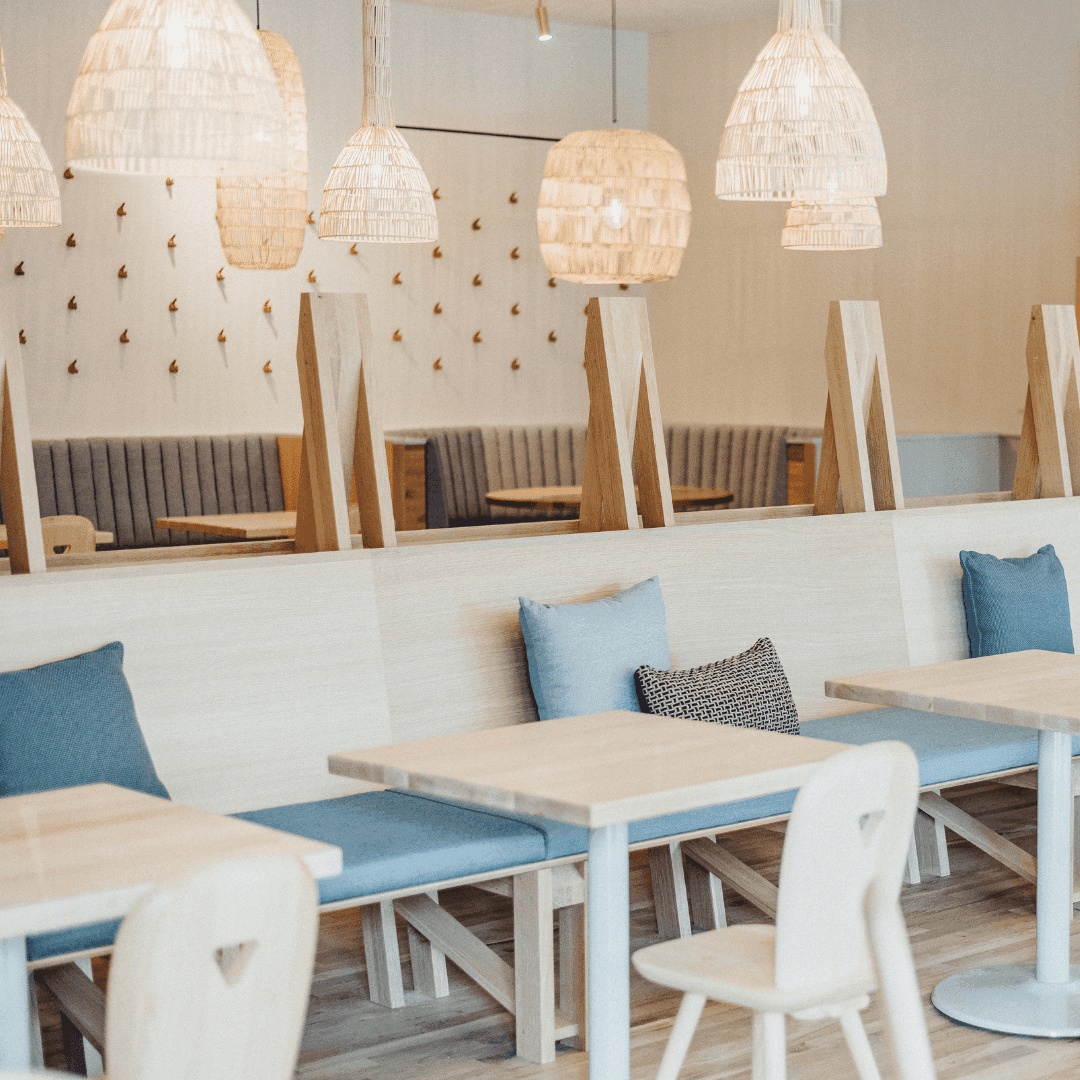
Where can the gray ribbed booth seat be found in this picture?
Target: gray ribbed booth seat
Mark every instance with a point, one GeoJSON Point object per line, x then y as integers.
{"type": "Point", "coordinates": [123, 485]}
{"type": "Point", "coordinates": [750, 461]}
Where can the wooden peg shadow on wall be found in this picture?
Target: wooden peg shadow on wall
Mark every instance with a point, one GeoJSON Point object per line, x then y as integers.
{"type": "Point", "coordinates": [859, 464]}
{"type": "Point", "coordinates": [18, 483]}
{"type": "Point", "coordinates": [343, 433]}
{"type": "Point", "coordinates": [626, 434]}
{"type": "Point", "coordinates": [1048, 461]}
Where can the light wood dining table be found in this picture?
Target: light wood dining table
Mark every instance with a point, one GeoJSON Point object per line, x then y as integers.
{"type": "Point", "coordinates": [1032, 689]}
{"type": "Point", "coordinates": [100, 537]}
{"type": "Point", "coordinates": [86, 854]}
{"type": "Point", "coordinates": [601, 772]}
{"type": "Point", "coordinates": [569, 498]}
{"type": "Point", "coordinates": [265, 525]}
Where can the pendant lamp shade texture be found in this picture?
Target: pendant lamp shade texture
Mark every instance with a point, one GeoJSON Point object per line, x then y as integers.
{"type": "Point", "coordinates": [377, 192]}
{"type": "Point", "coordinates": [801, 128]}
{"type": "Point", "coordinates": [29, 195]}
{"type": "Point", "coordinates": [848, 226]}
{"type": "Point", "coordinates": [262, 218]}
{"type": "Point", "coordinates": [176, 88]}
{"type": "Point", "coordinates": [613, 208]}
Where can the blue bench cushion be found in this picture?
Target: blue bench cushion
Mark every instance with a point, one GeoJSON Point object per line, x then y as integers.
{"type": "Point", "coordinates": [74, 939]}
{"type": "Point", "coordinates": [948, 747]}
{"type": "Point", "coordinates": [396, 840]}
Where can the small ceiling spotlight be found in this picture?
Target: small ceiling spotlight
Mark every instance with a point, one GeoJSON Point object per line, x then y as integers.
{"type": "Point", "coordinates": [542, 22]}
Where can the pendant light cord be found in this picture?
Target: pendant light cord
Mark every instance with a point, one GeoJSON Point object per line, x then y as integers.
{"type": "Point", "coordinates": [258, 21]}
{"type": "Point", "coordinates": [614, 103]}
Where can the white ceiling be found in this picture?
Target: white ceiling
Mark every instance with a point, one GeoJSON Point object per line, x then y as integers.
{"type": "Point", "coordinates": [651, 15]}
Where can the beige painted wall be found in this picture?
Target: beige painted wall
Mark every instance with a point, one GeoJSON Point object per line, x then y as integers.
{"type": "Point", "coordinates": [979, 106]}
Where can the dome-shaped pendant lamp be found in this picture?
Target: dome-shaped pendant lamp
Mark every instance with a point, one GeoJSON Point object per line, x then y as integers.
{"type": "Point", "coordinates": [176, 88]}
{"type": "Point", "coordinates": [29, 195]}
{"type": "Point", "coordinates": [846, 226]}
{"type": "Point", "coordinates": [376, 191]}
{"type": "Point", "coordinates": [262, 218]}
{"type": "Point", "coordinates": [613, 207]}
{"type": "Point", "coordinates": [801, 128]}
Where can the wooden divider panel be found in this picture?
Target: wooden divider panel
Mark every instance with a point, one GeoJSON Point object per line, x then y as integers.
{"type": "Point", "coordinates": [343, 434]}
{"type": "Point", "coordinates": [18, 484]}
{"type": "Point", "coordinates": [1049, 456]}
{"type": "Point", "coordinates": [859, 462]}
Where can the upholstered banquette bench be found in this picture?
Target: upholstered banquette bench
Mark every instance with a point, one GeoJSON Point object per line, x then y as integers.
{"type": "Point", "coordinates": [247, 673]}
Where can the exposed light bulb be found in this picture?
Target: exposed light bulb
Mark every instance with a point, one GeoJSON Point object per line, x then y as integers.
{"type": "Point", "coordinates": [176, 40]}
{"type": "Point", "coordinates": [803, 93]}
{"type": "Point", "coordinates": [542, 22]}
{"type": "Point", "coordinates": [615, 212]}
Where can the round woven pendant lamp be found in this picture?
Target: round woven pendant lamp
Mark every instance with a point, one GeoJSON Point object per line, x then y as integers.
{"type": "Point", "coordinates": [176, 88]}
{"type": "Point", "coordinates": [262, 218]}
{"type": "Point", "coordinates": [848, 226]}
{"type": "Point", "coordinates": [29, 195]}
{"type": "Point", "coordinates": [377, 192]}
{"type": "Point", "coordinates": [801, 128]}
{"type": "Point", "coordinates": [613, 208]}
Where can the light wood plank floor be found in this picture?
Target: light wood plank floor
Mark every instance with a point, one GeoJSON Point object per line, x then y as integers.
{"type": "Point", "coordinates": [981, 915]}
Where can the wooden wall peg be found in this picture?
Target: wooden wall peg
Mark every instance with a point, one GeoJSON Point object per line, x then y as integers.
{"type": "Point", "coordinates": [477, 339]}
{"type": "Point", "coordinates": [172, 305]}
{"type": "Point", "coordinates": [435, 194]}
{"type": "Point", "coordinates": [122, 272]}
{"type": "Point", "coordinates": [353, 251]}
{"type": "Point", "coordinates": [552, 336]}
{"type": "Point", "coordinates": [514, 253]}
{"type": "Point", "coordinates": [396, 279]}
{"type": "Point", "coordinates": [476, 225]}
{"type": "Point", "coordinates": [267, 309]}
{"type": "Point", "coordinates": [477, 280]}
{"type": "Point", "coordinates": [220, 275]}
{"type": "Point", "coordinates": [311, 276]}
{"type": "Point", "coordinates": [626, 433]}
{"type": "Point", "coordinates": [70, 241]}
{"type": "Point", "coordinates": [343, 432]}
{"type": "Point", "coordinates": [1048, 461]}
{"type": "Point", "coordinates": [515, 310]}
{"type": "Point", "coordinates": [169, 181]}
{"type": "Point", "coordinates": [221, 336]}
{"type": "Point", "coordinates": [859, 462]}
{"type": "Point", "coordinates": [73, 367]}
{"type": "Point", "coordinates": [172, 241]}
{"type": "Point", "coordinates": [22, 337]}
{"type": "Point", "coordinates": [552, 283]}
{"type": "Point", "coordinates": [514, 365]}
{"type": "Point", "coordinates": [174, 367]}
{"type": "Point", "coordinates": [397, 335]}
{"type": "Point", "coordinates": [437, 309]}
{"type": "Point", "coordinates": [267, 368]}
{"type": "Point", "coordinates": [120, 211]}
{"type": "Point", "coordinates": [19, 271]}
{"type": "Point", "coordinates": [437, 252]}
{"type": "Point", "coordinates": [124, 339]}
{"type": "Point", "coordinates": [513, 196]}
{"type": "Point", "coordinates": [68, 174]}
{"type": "Point", "coordinates": [624, 287]}
{"type": "Point", "coordinates": [72, 305]}
{"type": "Point", "coordinates": [18, 483]}
{"type": "Point", "coordinates": [437, 366]}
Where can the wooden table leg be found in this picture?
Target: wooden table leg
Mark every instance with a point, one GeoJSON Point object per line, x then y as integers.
{"type": "Point", "coordinates": [14, 1006]}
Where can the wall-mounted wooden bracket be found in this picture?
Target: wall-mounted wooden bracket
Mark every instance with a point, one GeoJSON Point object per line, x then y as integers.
{"type": "Point", "coordinates": [859, 469]}
{"type": "Point", "coordinates": [1048, 461]}
{"type": "Point", "coordinates": [343, 432]}
{"type": "Point", "coordinates": [626, 433]}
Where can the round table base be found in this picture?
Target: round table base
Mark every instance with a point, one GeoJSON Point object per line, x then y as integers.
{"type": "Point", "coordinates": [1008, 998]}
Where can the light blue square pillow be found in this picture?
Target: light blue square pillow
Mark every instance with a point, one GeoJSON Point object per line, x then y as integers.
{"type": "Point", "coordinates": [1016, 604]}
{"type": "Point", "coordinates": [582, 657]}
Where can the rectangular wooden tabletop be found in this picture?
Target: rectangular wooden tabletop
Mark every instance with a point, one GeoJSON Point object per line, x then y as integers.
{"type": "Point", "coordinates": [99, 538]}
{"type": "Point", "coordinates": [85, 854]}
{"type": "Point", "coordinates": [266, 525]}
{"type": "Point", "coordinates": [1034, 689]}
{"type": "Point", "coordinates": [595, 770]}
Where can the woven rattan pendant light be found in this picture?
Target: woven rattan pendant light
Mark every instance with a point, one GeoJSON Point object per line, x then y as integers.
{"type": "Point", "coordinates": [262, 218]}
{"type": "Point", "coordinates": [176, 88]}
{"type": "Point", "coordinates": [376, 190]}
{"type": "Point", "coordinates": [801, 128]}
{"type": "Point", "coordinates": [29, 196]}
{"type": "Point", "coordinates": [613, 208]}
{"type": "Point", "coordinates": [846, 226]}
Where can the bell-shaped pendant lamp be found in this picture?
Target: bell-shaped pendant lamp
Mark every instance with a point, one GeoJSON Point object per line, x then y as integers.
{"type": "Point", "coordinates": [848, 226]}
{"type": "Point", "coordinates": [176, 88]}
{"type": "Point", "coordinates": [262, 218]}
{"type": "Point", "coordinates": [613, 208]}
{"type": "Point", "coordinates": [801, 128]}
{"type": "Point", "coordinates": [376, 191]}
{"type": "Point", "coordinates": [29, 195]}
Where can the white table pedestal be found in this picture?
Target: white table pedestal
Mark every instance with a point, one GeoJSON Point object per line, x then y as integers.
{"type": "Point", "coordinates": [14, 1006]}
{"type": "Point", "coordinates": [1041, 998]}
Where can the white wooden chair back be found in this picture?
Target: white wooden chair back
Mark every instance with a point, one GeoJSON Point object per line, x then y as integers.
{"type": "Point", "coordinates": [68, 531]}
{"type": "Point", "coordinates": [210, 977]}
{"type": "Point", "coordinates": [846, 845]}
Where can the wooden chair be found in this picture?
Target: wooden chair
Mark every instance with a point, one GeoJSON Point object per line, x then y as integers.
{"type": "Point", "coordinates": [838, 915]}
{"type": "Point", "coordinates": [210, 977]}
{"type": "Point", "coordinates": [68, 534]}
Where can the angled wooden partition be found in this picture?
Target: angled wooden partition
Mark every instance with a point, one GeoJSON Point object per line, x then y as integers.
{"type": "Point", "coordinates": [859, 464]}
{"type": "Point", "coordinates": [1048, 461]}
{"type": "Point", "coordinates": [343, 433]}
{"type": "Point", "coordinates": [18, 484]}
{"type": "Point", "coordinates": [626, 434]}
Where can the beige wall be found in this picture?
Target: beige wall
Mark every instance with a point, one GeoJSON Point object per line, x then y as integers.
{"type": "Point", "coordinates": [979, 106]}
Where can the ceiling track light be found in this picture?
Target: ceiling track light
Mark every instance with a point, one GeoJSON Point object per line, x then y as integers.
{"type": "Point", "coordinates": [542, 22]}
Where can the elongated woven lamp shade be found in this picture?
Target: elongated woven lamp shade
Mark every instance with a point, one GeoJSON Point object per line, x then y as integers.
{"type": "Point", "coordinates": [613, 208]}
{"type": "Point", "coordinates": [176, 88]}
{"type": "Point", "coordinates": [801, 128]}
{"type": "Point", "coordinates": [848, 226]}
{"type": "Point", "coordinates": [29, 196]}
{"type": "Point", "coordinates": [262, 218]}
{"type": "Point", "coordinates": [377, 191]}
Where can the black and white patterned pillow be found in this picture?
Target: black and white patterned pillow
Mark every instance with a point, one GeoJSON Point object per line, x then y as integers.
{"type": "Point", "coordinates": [749, 690]}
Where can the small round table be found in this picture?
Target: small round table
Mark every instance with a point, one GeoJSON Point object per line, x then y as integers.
{"type": "Point", "coordinates": [569, 498]}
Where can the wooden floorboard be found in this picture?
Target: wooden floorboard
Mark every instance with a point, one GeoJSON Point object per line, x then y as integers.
{"type": "Point", "coordinates": [982, 914]}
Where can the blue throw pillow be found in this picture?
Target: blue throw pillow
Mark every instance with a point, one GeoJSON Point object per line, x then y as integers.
{"type": "Point", "coordinates": [72, 722]}
{"type": "Point", "coordinates": [582, 657]}
{"type": "Point", "coordinates": [1016, 604]}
